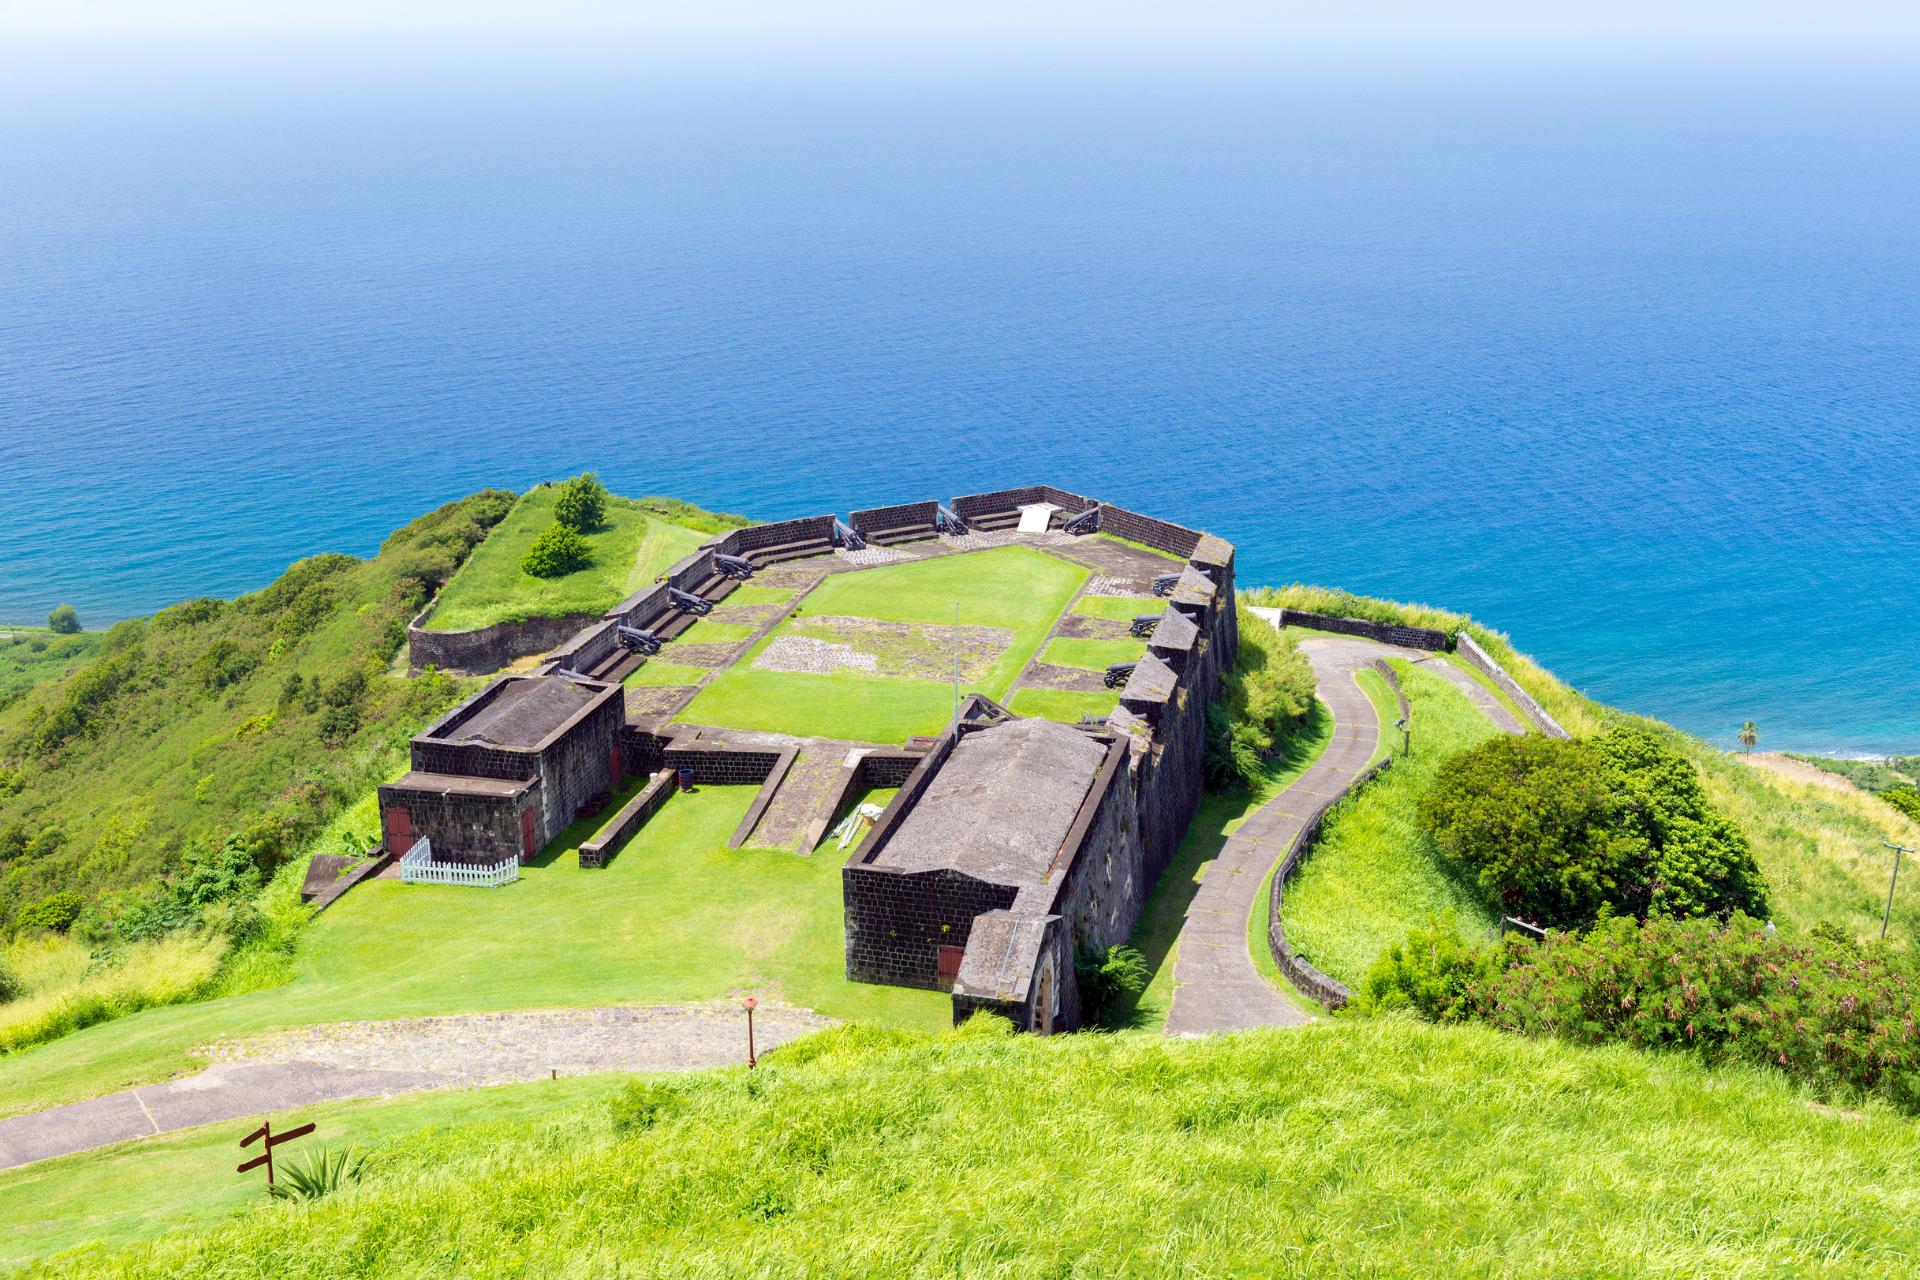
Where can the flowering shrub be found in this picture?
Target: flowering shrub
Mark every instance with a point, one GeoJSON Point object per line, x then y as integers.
{"type": "Point", "coordinates": [1826, 1011]}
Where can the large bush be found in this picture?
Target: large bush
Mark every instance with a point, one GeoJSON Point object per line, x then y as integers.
{"type": "Point", "coordinates": [581, 503]}
{"type": "Point", "coordinates": [1557, 831]}
{"type": "Point", "coordinates": [56, 912]}
{"type": "Point", "coordinates": [1270, 685]}
{"type": "Point", "coordinates": [1823, 1009]}
{"type": "Point", "coordinates": [557, 552]}
{"type": "Point", "coordinates": [64, 620]}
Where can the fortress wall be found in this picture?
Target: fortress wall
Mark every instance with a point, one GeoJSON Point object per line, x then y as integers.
{"type": "Point", "coordinates": [1008, 502]}
{"type": "Point", "coordinates": [1384, 632]}
{"type": "Point", "coordinates": [1470, 649]}
{"type": "Point", "coordinates": [898, 920]}
{"type": "Point", "coordinates": [740, 542]}
{"type": "Point", "coordinates": [1105, 884]}
{"type": "Point", "coordinates": [589, 648]}
{"type": "Point", "coordinates": [1149, 532]}
{"type": "Point", "coordinates": [487, 649]}
{"type": "Point", "coordinates": [910, 515]}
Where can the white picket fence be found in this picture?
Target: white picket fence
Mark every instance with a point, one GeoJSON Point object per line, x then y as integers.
{"type": "Point", "coordinates": [418, 867]}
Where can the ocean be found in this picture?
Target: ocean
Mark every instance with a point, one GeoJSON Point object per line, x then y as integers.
{"type": "Point", "coordinates": [1620, 360]}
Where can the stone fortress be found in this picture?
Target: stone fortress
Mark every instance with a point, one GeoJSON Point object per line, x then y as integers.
{"type": "Point", "coordinates": [1011, 842]}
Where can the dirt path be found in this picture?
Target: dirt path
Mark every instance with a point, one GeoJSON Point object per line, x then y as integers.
{"type": "Point", "coordinates": [264, 1074]}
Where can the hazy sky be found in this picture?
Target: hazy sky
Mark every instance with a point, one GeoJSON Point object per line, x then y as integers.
{"type": "Point", "coordinates": [1876, 25]}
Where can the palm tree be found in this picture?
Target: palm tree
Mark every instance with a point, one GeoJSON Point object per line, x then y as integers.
{"type": "Point", "coordinates": [1749, 734]}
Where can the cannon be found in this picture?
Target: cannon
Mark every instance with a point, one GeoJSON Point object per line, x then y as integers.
{"type": "Point", "coordinates": [687, 602]}
{"type": "Point", "coordinates": [1144, 623]}
{"type": "Point", "coordinates": [1164, 584]}
{"type": "Point", "coordinates": [948, 523]}
{"type": "Point", "coordinates": [845, 538]}
{"type": "Point", "coordinates": [1087, 521]}
{"type": "Point", "coordinates": [734, 566]}
{"type": "Point", "coordinates": [634, 640]}
{"type": "Point", "coordinates": [1118, 673]}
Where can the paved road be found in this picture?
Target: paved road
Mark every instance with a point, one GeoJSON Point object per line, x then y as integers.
{"type": "Point", "coordinates": [1216, 986]}
{"type": "Point", "coordinates": [379, 1059]}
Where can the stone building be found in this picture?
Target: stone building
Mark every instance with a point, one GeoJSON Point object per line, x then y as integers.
{"type": "Point", "coordinates": [1020, 846]}
{"type": "Point", "coordinates": [502, 773]}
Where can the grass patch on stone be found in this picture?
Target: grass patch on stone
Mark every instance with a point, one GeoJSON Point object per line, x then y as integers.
{"type": "Point", "coordinates": [1374, 875]}
{"type": "Point", "coordinates": [1093, 655]}
{"type": "Point", "coordinates": [628, 550]}
{"type": "Point", "coordinates": [675, 915]}
{"type": "Point", "coordinates": [706, 631]}
{"type": "Point", "coordinates": [1117, 608]}
{"type": "Point", "coordinates": [748, 593]}
{"type": "Point", "coordinates": [657, 673]}
{"type": "Point", "coordinates": [1013, 589]}
{"type": "Point", "coordinates": [1063, 705]}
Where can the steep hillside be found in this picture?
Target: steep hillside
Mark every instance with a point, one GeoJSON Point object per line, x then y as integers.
{"type": "Point", "coordinates": [257, 715]}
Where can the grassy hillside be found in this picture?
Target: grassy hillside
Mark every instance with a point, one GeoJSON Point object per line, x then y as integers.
{"type": "Point", "coordinates": [629, 550]}
{"type": "Point", "coordinates": [1820, 849]}
{"type": "Point", "coordinates": [1372, 1149]}
{"type": "Point", "coordinates": [34, 655]}
{"type": "Point", "coordinates": [259, 715]}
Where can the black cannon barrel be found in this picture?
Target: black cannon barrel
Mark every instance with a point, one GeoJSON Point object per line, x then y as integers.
{"type": "Point", "coordinates": [687, 602]}
{"type": "Point", "coordinates": [635, 640]}
{"type": "Point", "coordinates": [734, 566]}
{"type": "Point", "coordinates": [947, 522]}
{"type": "Point", "coordinates": [1165, 583]}
{"type": "Point", "coordinates": [1087, 521]}
{"type": "Point", "coordinates": [1118, 672]}
{"type": "Point", "coordinates": [1144, 623]}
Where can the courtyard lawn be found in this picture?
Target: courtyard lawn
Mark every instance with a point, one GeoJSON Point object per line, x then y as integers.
{"type": "Point", "coordinates": [748, 593]}
{"type": "Point", "coordinates": [675, 915]}
{"type": "Point", "coordinates": [1117, 608]}
{"type": "Point", "coordinates": [1015, 589]}
{"type": "Point", "coordinates": [1093, 655]}
{"type": "Point", "coordinates": [1374, 875]}
{"type": "Point", "coordinates": [656, 672]}
{"type": "Point", "coordinates": [628, 550]}
{"type": "Point", "coordinates": [1063, 705]}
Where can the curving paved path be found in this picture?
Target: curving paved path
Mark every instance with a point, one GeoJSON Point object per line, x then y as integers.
{"type": "Point", "coordinates": [1216, 987]}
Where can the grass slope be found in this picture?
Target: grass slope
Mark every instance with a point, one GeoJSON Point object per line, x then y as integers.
{"type": "Point", "coordinates": [675, 916]}
{"type": "Point", "coordinates": [628, 551]}
{"type": "Point", "coordinates": [1372, 1149]}
{"type": "Point", "coordinates": [1373, 875]}
{"type": "Point", "coordinates": [1014, 588]}
{"type": "Point", "coordinates": [34, 655]}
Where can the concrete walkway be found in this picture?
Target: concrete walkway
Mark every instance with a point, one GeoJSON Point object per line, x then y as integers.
{"type": "Point", "coordinates": [1488, 705]}
{"type": "Point", "coordinates": [1216, 987]}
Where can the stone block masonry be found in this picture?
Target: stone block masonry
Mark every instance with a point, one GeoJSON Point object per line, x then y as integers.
{"type": "Point", "coordinates": [1385, 632]}
{"type": "Point", "coordinates": [487, 649]}
{"type": "Point", "coordinates": [1472, 652]}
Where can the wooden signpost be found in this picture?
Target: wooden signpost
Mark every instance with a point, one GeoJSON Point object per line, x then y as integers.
{"type": "Point", "coordinates": [273, 1140]}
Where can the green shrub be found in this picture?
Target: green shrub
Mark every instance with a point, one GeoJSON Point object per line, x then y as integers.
{"type": "Point", "coordinates": [1271, 684]}
{"type": "Point", "coordinates": [317, 1172]}
{"type": "Point", "coordinates": [189, 613]}
{"type": "Point", "coordinates": [345, 690]}
{"type": "Point", "coordinates": [54, 913]}
{"type": "Point", "coordinates": [1108, 979]}
{"type": "Point", "coordinates": [1905, 799]}
{"type": "Point", "coordinates": [643, 1104]}
{"type": "Point", "coordinates": [223, 663]}
{"type": "Point", "coordinates": [64, 620]}
{"type": "Point", "coordinates": [1431, 973]}
{"type": "Point", "coordinates": [86, 706]}
{"type": "Point", "coordinates": [1559, 831]}
{"type": "Point", "coordinates": [337, 724]}
{"type": "Point", "coordinates": [557, 552]}
{"type": "Point", "coordinates": [581, 504]}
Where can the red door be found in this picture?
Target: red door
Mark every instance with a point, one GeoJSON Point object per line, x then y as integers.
{"type": "Point", "coordinates": [613, 774]}
{"type": "Point", "coordinates": [950, 962]}
{"type": "Point", "coordinates": [399, 831]}
{"type": "Point", "coordinates": [527, 849]}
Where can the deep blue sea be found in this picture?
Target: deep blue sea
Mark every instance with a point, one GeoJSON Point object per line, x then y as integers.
{"type": "Point", "coordinates": [1623, 361]}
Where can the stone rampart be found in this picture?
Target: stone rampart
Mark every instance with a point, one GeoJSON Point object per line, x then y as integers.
{"type": "Point", "coordinates": [1302, 974]}
{"type": "Point", "coordinates": [716, 764]}
{"type": "Point", "coordinates": [487, 649]}
{"type": "Point", "coordinates": [1384, 632]}
{"type": "Point", "coordinates": [910, 515]}
{"type": "Point", "coordinates": [1148, 532]}
{"type": "Point", "coordinates": [1472, 652]}
{"type": "Point", "coordinates": [588, 649]}
{"type": "Point", "coordinates": [991, 507]}
{"type": "Point", "coordinates": [607, 841]}
{"type": "Point", "coordinates": [760, 537]}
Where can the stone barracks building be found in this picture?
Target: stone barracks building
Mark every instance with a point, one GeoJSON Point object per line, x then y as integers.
{"type": "Point", "coordinates": [503, 772]}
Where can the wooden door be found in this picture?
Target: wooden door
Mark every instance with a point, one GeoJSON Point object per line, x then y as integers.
{"type": "Point", "coordinates": [527, 849]}
{"type": "Point", "coordinates": [399, 831]}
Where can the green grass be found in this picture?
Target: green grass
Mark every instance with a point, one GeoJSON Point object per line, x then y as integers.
{"type": "Point", "coordinates": [1485, 681]}
{"type": "Point", "coordinates": [750, 594]}
{"type": "Point", "coordinates": [1373, 875]}
{"type": "Point", "coordinates": [185, 1181]}
{"type": "Point", "coordinates": [675, 915]}
{"type": "Point", "coordinates": [706, 631]}
{"type": "Point", "coordinates": [1093, 655]}
{"type": "Point", "coordinates": [1382, 1148]}
{"type": "Point", "coordinates": [1116, 609]}
{"type": "Point", "coordinates": [1219, 816]}
{"type": "Point", "coordinates": [1385, 706]}
{"type": "Point", "coordinates": [35, 655]}
{"type": "Point", "coordinates": [1014, 588]}
{"type": "Point", "coordinates": [656, 672]}
{"type": "Point", "coordinates": [628, 551]}
{"type": "Point", "coordinates": [1059, 704]}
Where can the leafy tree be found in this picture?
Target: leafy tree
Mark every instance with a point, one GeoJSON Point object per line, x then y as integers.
{"type": "Point", "coordinates": [581, 503]}
{"type": "Point", "coordinates": [1905, 799]}
{"type": "Point", "coordinates": [1531, 817]}
{"type": "Point", "coordinates": [65, 620]}
{"type": "Point", "coordinates": [1749, 734]}
{"type": "Point", "coordinates": [557, 552]}
{"type": "Point", "coordinates": [55, 913]}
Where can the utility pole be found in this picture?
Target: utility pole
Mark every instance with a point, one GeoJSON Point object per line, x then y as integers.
{"type": "Point", "coordinates": [1897, 851]}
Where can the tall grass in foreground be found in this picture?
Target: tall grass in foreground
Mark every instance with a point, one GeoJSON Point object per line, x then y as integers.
{"type": "Point", "coordinates": [1383, 1148]}
{"type": "Point", "coordinates": [71, 991]}
{"type": "Point", "coordinates": [1374, 874]}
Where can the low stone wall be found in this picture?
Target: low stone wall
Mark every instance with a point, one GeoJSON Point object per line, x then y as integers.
{"type": "Point", "coordinates": [742, 542]}
{"type": "Point", "coordinates": [642, 607]}
{"type": "Point", "coordinates": [1384, 632]}
{"type": "Point", "coordinates": [1148, 532]}
{"type": "Point", "coordinates": [588, 649]}
{"type": "Point", "coordinates": [1472, 652]}
{"type": "Point", "coordinates": [641, 751]}
{"type": "Point", "coordinates": [1003, 501]}
{"type": "Point", "coordinates": [718, 765]}
{"type": "Point", "coordinates": [1303, 975]}
{"type": "Point", "coordinates": [487, 649]}
{"type": "Point", "coordinates": [911, 515]}
{"type": "Point", "coordinates": [1392, 678]}
{"type": "Point", "coordinates": [632, 816]}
